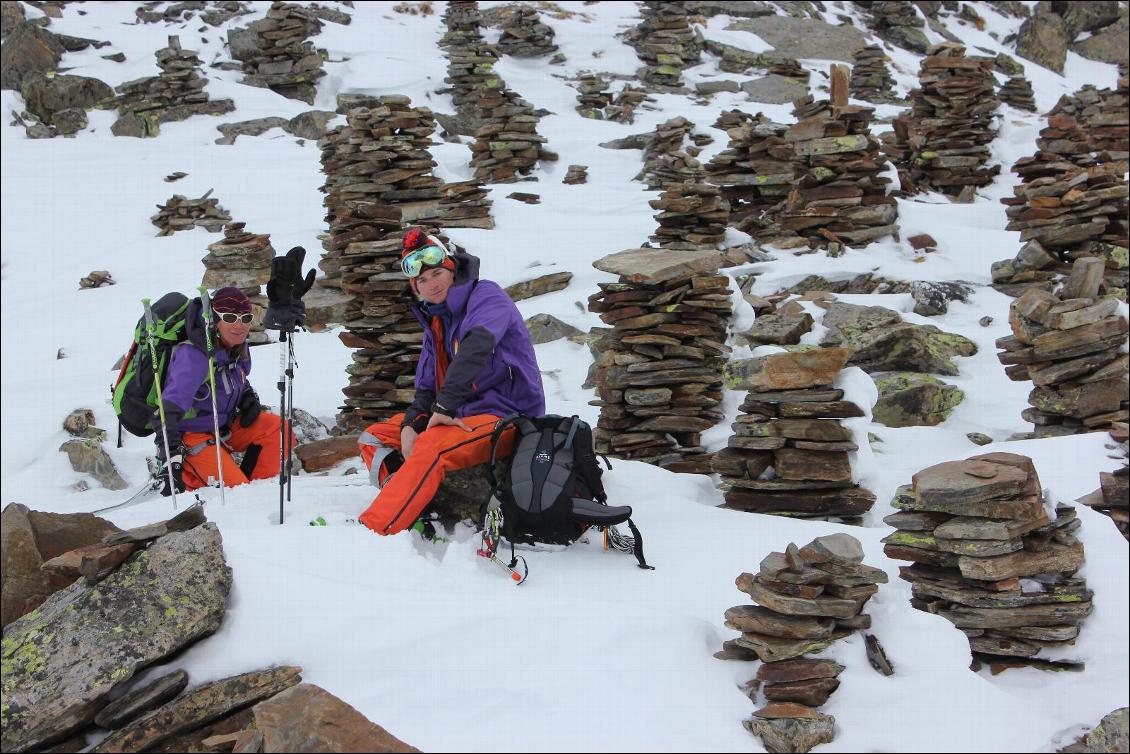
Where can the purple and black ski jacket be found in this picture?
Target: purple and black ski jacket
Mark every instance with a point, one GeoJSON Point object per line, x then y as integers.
{"type": "Point", "coordinates": [492, 367]}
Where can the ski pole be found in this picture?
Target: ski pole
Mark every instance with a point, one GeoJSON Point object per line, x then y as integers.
{"type": "Point", "coordinates": [207, 306]}
{"type": "Point", "coordinates": [150, 334]}
{"type": "Point", "coordinates": [289, 414]}
{"type": "Point", "coordinates": [283, 344]}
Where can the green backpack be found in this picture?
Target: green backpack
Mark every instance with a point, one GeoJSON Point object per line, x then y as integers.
{"type": "Point", "coordinates": [135, 392]}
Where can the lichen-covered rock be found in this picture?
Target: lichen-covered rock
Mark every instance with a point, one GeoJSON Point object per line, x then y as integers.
{"type": "Point", "coordinates": [308, 718]}
{"type": "Point", "coordinates": [27, 50]}
{"type": "Point", "coordinates": [47, 96]}
{"type": "Point", "coordinates": [881, 341]}
{"type": "Point", "coordinates": [1111, 734]}
{"type": "Point", "coordinates": [908, 399]}
{"type": "Point", "coordinates": [1043, 40]}
{"type": "Point", "coordinates": [62, 661]}
{"type": "Point", "coordinates": [87, 456]}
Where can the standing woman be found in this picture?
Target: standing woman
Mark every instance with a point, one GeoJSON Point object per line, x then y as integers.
{"type": "Point", "coordinates": [477, 366]}
{"type": "Point", "coordinates": [188, 401]}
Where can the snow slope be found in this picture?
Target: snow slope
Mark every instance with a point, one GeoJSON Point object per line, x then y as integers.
{"type": "Point", "coordinates": [433, 642]}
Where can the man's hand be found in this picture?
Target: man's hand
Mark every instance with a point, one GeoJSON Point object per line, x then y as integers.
{"type": "Point", "coordinates": [407, 440]}
{"type": "Point", "coordinates": [439, 419]}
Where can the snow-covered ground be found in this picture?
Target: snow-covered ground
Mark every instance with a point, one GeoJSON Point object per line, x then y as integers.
{"type": "Point", "coordinates": [433, 642]}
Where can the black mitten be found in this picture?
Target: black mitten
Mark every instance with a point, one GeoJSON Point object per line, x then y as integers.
{"type": "Point", "coordinates": [249, 407]}
{"type": "Point", "coordinates": [285, 290]}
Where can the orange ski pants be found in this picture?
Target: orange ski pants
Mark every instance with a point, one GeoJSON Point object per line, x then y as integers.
{"type": "Point", "coordinates": [200, 460]}
{"type": "Point", "coordinates": [437, 451]}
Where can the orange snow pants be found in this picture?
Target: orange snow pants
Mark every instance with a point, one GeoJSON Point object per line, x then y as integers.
{"type": "Point", "coordinates": [437, 451]}
{"type": "Point", "coordinates": [263, 434]}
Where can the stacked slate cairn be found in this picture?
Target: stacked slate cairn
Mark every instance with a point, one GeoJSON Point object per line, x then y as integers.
{"type": "Point", "coordinates": [378, 179]}
{"type": "Point", "coordinates": [1112, 498]}
{"type": "Point", "coordinates": [176, 93]}
{"type": "Point", "coordinates": [275, 52]}
{"type": "Point", "coordinates": [871, 80]}
{"type": "Point", "coordinates": [1071, 346]}
{"type": "Point", "coordinates": [755, 171]}
{"type": "Point", "coordinates": [789, 452]}
{"type": "Point", "coordinates": [525, 36]}
{"type": "Point", "coordinates": [1104, 116]}
{"type": "Point", "coordinates": [1017, 91]}
{"type": "Point", "coordinates": [242, 260]}
{"type": "Point", "coordinates": [1072, 200]}
{"type": "Point", "coordinates": [659, 369]}
{"type": "Point", "coordinates": [840, 195]}
{"type": "Point", "coordinates": [807, 598]}
{"type": "Point", "coordinates": [993, 557]}
{"type": "Point", "coordinates": [691, 216]}
{"type": "Point", "coordinates": [593, 96]}
{"type": "Point", "coordinates": [667, 162]}
{"type": "Point", "coordinates": [897, 22]}
{"type": "Point", "coordinates": [595, 99]}
{"type": "Point", "coordinates": [943, 144]}
{"type": "Point", "coordinates": [507, 145]}
{"type": "Point", "coordinates": [790, 68]}
{"type": "Point", "coordinates": [182, 213]}
{"type": "Point", "coordinates": [666, 43]}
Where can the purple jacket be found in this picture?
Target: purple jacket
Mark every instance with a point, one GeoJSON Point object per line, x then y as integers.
{"type": "Point", "coordinates": [186, 391]}
{"type": "Point", "coordinates": [492, 367]}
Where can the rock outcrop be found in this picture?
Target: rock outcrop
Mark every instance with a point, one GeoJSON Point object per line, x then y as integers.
{"type": "Point", "coordinates": [62, 660]}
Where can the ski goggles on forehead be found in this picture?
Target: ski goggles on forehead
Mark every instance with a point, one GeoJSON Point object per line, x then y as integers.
{"type": "Point", "coordinates": [425, 256]}
{"type": "Point", "coordinates": [231, 317]}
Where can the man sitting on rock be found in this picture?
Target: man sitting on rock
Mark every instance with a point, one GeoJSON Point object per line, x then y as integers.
{"type": "Point", "coordinates": [477, 366]}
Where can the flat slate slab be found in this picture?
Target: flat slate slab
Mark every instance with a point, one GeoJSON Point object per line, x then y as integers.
{"type": "Point", "coordinates": [805, 37]}
{"type": "Point", "coordinates": [657, 265]}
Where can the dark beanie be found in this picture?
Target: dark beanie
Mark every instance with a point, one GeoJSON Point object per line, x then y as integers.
{"type": "Point", "coordinates": [231, 300]}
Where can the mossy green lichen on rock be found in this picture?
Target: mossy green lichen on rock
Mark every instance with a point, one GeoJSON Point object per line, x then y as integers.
{"type": "Point", "coordinates": [909, 399]}
{"type": "Point", "coordinates": [63, 660]}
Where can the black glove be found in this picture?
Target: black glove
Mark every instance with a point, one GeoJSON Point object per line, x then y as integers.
{"type": "Point", "coordinates": [248, 408]}
{"type": "Point", "coordinates": [176, 465]}
{"type": "Point", "coordinates": [285, 289]}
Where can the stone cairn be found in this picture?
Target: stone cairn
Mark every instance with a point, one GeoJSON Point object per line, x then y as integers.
{"type": "Point", "coordinates": [219, 13]}
{"type": "Point", "coordinates": [1070, 346]}
{"type": "Point", "coordinates": [1104, 116]}
{"type": "Point", "coordinates": [1017, 91]}
{"type": "Point", "coordinates": [242, 260]}
{"type": "Point", "coordinates": [658, 370]}
{"type": "Point", "coordinates": [181, 213]}
{"type": "Point", "coordinates": [378, 177]}
{"type": "Point", "coordinates": [595, 100]}
{"type": "Point", "coordinates": [896, 21]}
{"type": "Point", "coordinates": [275, 52]}
{"type": "Point", "coordinates": [755, 171]}
{"type": "Point", "coordinates": [942, 144]}
{"type": "Point", "coordinates": [1071, 202]}
{"type": "Point", "coordinates": [807, 599]}
{"type": "Point", "coordinates": [840, 195]}
{"type": "Point", "coordinates": [790, 68]}
{"type": "Point", "coordinates": [667, 162]}
{"type": "Point", "coordinates": [176, 93]}
{"type": "Point", "coordinates": [691, 216]}
{"type": "Point", "coordinates": [665, 42]}
{"type": "Point", "coordinates": [871, 80]}
{"type": "Point", "coordinates": [990, 557]}
{"type": "Point", "coordinates": [506, 144]}
{"type": "Point", "coordinates": [789, 452]}
{"type": "Point", "coordinates": [525, 36]}
{"type": "Point", "coordinates": [1112, 498]}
